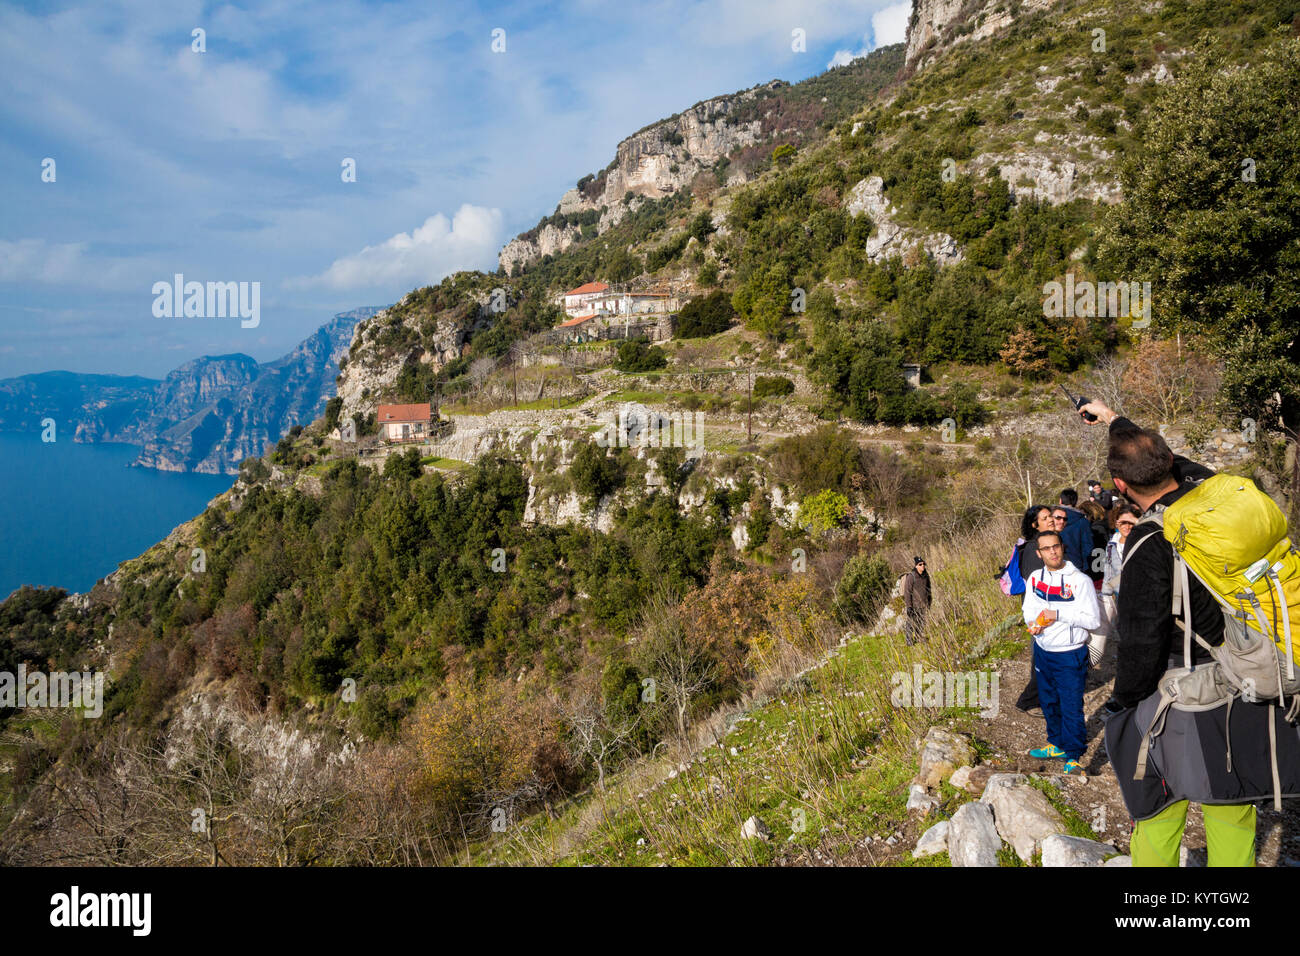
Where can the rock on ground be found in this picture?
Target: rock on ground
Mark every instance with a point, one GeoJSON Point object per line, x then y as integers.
{"type": "Point", "coordinates": [941, 754]}
{"type": "Point", "coordinates": [1024, 816]}
{"type": "Point", "coordinates": [1062, 850]}
{"type": "Point", "coordinates": [933, 840]}
{"type": "Point", "coordinates": [920, 799]}
{"type": "Point", "coordinates": [973, 837]}
{"type": "Point", "coordinates": [755, 829]}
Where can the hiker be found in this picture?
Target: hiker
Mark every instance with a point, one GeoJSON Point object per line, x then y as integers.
{"type": "Point", "coordinates": [1060, 610]}
{"type": "Point", "coordinates": [1036, 520]}
{"type": "Point", "coordinates": [1124, 517]}
{"type": "Point", "coordinates": [1012, 576]}
{"type": "Point", "coordinates": [1100, 495]}
{"type": "Point", "coordinates": [1224, 755]}
{"type": "Point", "coordinates": [1096, 571]}
{"type": "Point", "coordinates": [916, 599]}
{"type": "Point", "coordinates": [1101, 531]}
{"type": "Point", "coordinates": [1076, 534]}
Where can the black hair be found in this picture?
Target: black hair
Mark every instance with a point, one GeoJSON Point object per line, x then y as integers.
{"type": "Point", "coordinates": [1028, 523]}
{"type": "Point", "coordinates": [1142, 458]}
{"type": "Point", "coordinates": [1069, 497]}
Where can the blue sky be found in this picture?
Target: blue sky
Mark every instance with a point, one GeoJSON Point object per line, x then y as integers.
{"type": "Point", "coordinates": [225, 165]}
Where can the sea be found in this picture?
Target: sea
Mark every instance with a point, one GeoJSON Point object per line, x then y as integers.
{"type": "Point", "coordinates": [71, 513]}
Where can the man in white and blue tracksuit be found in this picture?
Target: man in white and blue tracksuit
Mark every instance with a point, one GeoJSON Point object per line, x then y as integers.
{"type": "Point", "coordinates": [1066, 600]}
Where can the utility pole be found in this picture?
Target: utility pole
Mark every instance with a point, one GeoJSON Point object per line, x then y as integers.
{"type": "Point", "coordinates": [749, 424]}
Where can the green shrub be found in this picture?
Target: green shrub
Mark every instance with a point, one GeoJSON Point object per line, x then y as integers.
{"type": "Point", "coordinates": [863, 589]}
{"type": "Point", "coordinates": [823, 511]}
{"type": "Point", "coordinates": [704, 315]}
{"type": "Point", "coordinates": [595, 473]}
{"type": "Point", "coordinates": [825, 458]}
{"type": "Point", "coordinates": [635, 355]}
{"type": "Point", "coordinates": [767, 386]}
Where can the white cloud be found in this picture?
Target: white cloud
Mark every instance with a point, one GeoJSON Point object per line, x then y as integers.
{"type": "Point", "coordinates": [888, 26]}
{"type": "Point", "coordinates": [469, 240]}
{"type": "Point", "coordinates": [36, 260]}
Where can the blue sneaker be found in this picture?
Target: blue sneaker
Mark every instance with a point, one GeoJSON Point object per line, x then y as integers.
{"type": "Point", "coordinates": [1050, 752]}
{"type": "Point", "coordinates": [1073, 766]}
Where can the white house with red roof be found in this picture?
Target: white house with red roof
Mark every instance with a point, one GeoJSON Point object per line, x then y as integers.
{"type": "Point", "coordinates": [404, 423]}
{"type": "Point", "coordinates": [578, 301]}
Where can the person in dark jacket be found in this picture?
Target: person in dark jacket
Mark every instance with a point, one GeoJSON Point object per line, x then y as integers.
{"type": "Point", "coordinates": [916, 599]}
{"type": "Point", "coordinates": [1075, 530]}
{"type": "Point", "coordinates": [1100, 495]}
{"type": "Point", "coordinates": [1188, 760]}
{"type": "Point", "coordinates": [1036, 520]}
{"type": "Point", "coordinates": [1100, 535]}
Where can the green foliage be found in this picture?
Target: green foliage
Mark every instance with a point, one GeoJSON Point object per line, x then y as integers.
{"type": "Point", "coordinates": [961, 402]}
{"type": "Point", "coordinates": [661, 255]}
{"type": "Point", "coordinates": [823, 511]}
{"type": "Point", "coordinates": [783, 154]}
{"type": "Point", "coordinates": [636, 355]}
{"type": "Point", "coordinates": [827, 458]}
{"type": "Point", "coordinates": [863, 588]}
{"type": "Point", "coordinates": [595, 473]}
{"type": "Point", "coordinates": [860, 362]}
{"type": "Point", "coordinates": [704, 315]}
{"type": "Point", "coordinates": [333, 408]}
{"type": "Point", "coordinates": [253, 470]}
{"type": "Point", "coordinates": [763, 302]}
{"type": "Point", "coordinates": [701, 226]}
{"type": "Point", "coordinates": [1216, 239]}
{"type": "Point", "coordinates": [772, 386]}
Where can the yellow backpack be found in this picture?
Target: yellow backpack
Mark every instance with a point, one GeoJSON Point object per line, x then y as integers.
{"type": "Point", "coordinates": [1233, 538]}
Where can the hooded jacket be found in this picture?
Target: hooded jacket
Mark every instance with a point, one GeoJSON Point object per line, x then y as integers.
{"type": "Point", "coordinates": [1068, 592]}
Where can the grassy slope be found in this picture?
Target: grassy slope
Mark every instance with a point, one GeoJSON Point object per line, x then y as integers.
{"type": "Point", "coordinates": [824, 762]}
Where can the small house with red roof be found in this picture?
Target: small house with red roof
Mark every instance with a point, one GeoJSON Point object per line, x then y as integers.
{"type": "Point", "coordinates": [404, 423]}
{"type": "Point", "coordinates": [577, 301]}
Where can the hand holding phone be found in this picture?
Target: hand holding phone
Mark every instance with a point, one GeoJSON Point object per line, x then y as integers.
{"type": "Point", "coordinates": [1078, 403]}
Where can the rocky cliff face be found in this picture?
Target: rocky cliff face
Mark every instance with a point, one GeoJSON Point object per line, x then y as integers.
{"type": "Point", "coordinates": [206, 416]}
{"type": "Point", "coordinates": [934, 24]}
{"type": "Point", "coordinates": [657, 161]}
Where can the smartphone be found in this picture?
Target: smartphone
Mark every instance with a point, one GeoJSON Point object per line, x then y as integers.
{"type": "Point", "coordinates": [1079, 403]}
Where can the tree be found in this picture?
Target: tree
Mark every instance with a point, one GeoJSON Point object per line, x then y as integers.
{"type": "Point", "coordinates": [635, 355]}
{"type": "Point", "coordinates": [677, 658]}
{"type": "Point", "coordinates": [593, 734]}
{"type": "Point", "coordinates": [763, 301]}
{"type": "Point", "coordinates": [823, 511]}
{"type": "Point", "coordinates": [1210, 215]}
{"type": "Point", "coordinates": [704, 315]}
{"type": "Point", "coordinates": [1024, 355]}
{"type": "Point", "coordinates": [595, 473]}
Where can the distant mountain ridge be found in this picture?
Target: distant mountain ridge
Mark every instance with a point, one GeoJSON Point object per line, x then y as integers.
{"type": "Point", "coordinates": [206, 416]}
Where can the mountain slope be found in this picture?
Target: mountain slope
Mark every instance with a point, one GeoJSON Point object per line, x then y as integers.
{"type": "Point", "coordinates": [206, 416]}
{"type": "Point", "coordinates": [476, 621]}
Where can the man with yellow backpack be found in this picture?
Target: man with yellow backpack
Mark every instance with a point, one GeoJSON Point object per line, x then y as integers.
{"type": "Point", "coordinates": [1206, 685]}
